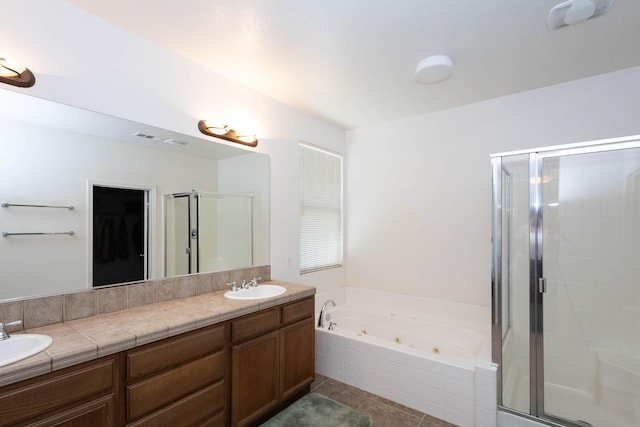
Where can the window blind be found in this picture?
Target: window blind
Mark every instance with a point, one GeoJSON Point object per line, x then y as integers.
{"type": "Point", "coordinates": [321, 209]}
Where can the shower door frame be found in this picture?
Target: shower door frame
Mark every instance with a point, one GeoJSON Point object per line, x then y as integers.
{"type": "Point", "coordinates": [192, 197]}
{"type": "Point", "coordinates": [537, 282]}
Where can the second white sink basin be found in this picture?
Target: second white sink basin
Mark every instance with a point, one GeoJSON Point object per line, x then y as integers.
{"type": "Point", "coordinates": [262, 291]}
{"type": "Point", "coordinates": [21, 346]}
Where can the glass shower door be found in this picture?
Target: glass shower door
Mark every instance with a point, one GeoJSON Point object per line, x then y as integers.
{"type": "Point", "coordinates": [512, 340]}
{"type": "Point", "coordinates": [588, 307]}
{"type": "Point", "coordinates": [207, 232]}
{"type": "Point", "coordinates": [180, 252]}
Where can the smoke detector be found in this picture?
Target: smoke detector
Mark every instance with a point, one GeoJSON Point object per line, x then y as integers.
{"type": "Point", "coordinates": [576, 11]}
{"type": "Point", "coordinates": [434, 69]}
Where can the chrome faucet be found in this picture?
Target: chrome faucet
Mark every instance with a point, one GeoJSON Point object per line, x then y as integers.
{"type": "Point", "coordinates": [246, 284]}
{"type": "Point", "coordinates": [3, 334]}
{"type": "Point", "coordinates": [322, 310]}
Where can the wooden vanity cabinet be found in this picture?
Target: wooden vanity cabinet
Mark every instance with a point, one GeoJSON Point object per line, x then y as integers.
{"type": "Point", "coordinates": [236, 373]}
{"type": "Point", "coordinates": [82, 395]}
{"type": "Point", "coordinates": [272, 360]}
{"type": "Point", "coordinates": [297, 348]}
{"type": "Point", "coordinates": [178, 381]}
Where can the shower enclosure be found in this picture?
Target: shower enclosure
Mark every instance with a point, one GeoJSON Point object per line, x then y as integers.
{"type": "Point", "coordinates": [566, 283]}
{"type": "Point", "coordinates": [207, 232]}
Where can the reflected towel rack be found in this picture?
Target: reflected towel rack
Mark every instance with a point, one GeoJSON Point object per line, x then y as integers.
{"type": "Point", "coordinates": [70, 233]}
{"type": "Point", "coordinates": [6, 205]}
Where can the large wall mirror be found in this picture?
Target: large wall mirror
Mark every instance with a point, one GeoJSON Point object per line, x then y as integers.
{"type": "Point", "coordinates": [93, 200]}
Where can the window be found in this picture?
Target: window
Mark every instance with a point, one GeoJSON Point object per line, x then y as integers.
{"type": "Point", "coordinates": [320, 209]}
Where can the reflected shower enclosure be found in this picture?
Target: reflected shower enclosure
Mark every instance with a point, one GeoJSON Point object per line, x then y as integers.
{"type": "Point", "coordinates": [207, 232]}
{"type": "Point", "coordinates": [566, 283]}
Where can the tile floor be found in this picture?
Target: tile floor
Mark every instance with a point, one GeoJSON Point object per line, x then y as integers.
{"type": "Point", "coordinates": [383, 412]}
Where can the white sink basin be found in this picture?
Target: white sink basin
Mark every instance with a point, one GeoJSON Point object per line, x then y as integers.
{"type": "Point", "coordinates": [21, 346]}
{"type": "Point", "coordinates": [262, 291]}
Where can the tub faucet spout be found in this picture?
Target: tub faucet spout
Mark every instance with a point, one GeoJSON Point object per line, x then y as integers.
{"type": "Point", "coordinates": [322, 310]}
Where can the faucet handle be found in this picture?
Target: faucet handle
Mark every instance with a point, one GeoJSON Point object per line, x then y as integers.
{"type": "Point", "coordinates": [14, 323]}
{"type": "Point", "coordinates": [3, 334]}
{"type": "Point", "coordinates": [233, 285]}
{"type": "Point", "coordinates": [250, 283]}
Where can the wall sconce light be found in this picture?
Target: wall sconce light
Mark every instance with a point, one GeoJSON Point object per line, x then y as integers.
{"type": "Point", "coordinates": [15, 74]}
{"type": "Point", "coordinates": [225, 132]}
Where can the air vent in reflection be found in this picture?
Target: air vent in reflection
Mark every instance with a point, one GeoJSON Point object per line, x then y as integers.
{"type": "Point", "coordinates": [144, 135]}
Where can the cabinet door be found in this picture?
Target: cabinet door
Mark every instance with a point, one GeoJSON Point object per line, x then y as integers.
{"type": "Point", "coordinates": [254, 382]}
{"type": "Point", "coordinates": [297, 357]}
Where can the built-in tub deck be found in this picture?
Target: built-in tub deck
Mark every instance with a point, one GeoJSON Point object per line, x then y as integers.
{"type": "Point", "coordinates": [430, 355]}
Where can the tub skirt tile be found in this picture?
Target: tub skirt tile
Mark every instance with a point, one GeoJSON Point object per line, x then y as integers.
{"type": "Point", "coordinates": [435, 387]}
{"type": "Point", "coordinates": [486, 417]}
{"type": "Point", "coordinates": [459, 418]}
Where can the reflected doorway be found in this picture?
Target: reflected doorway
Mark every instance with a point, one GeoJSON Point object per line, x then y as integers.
{"type": "Point", "coordinates": [120, 235]}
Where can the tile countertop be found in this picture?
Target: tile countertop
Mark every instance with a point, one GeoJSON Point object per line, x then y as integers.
{"type": "Point", "coordinates": [86, 339]}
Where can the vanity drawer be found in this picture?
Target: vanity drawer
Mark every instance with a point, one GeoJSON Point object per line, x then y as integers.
{"type": "Point", "coordinates": [297, 310]}
{"type": "Point", "coordinates": [154, 358]}
{"type": "Point", "coordinates": [32, 398]}
{"type": "Point", "coordinates": [202, 406]}
{"type": "Point", "coordinates": [164, 389]}
{"type": "Point", "coordinates": [255, 324]}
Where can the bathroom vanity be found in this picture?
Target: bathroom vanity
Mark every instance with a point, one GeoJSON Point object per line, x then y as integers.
{"type": "Point", "coordinates": [272, 359]}
{"type": "Point", "coordinates": [255, 359]}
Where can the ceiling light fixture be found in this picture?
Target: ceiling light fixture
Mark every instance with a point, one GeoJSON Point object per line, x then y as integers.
{"type": "Point", "coordinates": [225, 132]}
{"type": "Point", "coordinates": [576, 11]}
{"type": "Point", "coordinates": [15, 74]}
{"type": "Point", "coordinates": [434, 69]}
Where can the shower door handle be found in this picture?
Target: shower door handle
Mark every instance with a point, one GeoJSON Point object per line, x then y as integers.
{"type": "Point", "coordinates": [542, 285]}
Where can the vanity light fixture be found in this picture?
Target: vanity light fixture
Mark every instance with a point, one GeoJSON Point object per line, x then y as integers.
{"type": "Point", "coordinates": [225, 132]}
{"type": "Point", "coordinates": [15, 74]}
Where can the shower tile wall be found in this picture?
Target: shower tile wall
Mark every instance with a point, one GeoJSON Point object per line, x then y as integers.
{"type": "Point", "coordinates": [591, 242]}
{"type": "Point", "coordinates": [592, 238]}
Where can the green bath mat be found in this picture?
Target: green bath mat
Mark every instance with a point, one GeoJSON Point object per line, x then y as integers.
{"type": "Point", "coordinates": [316, 410]}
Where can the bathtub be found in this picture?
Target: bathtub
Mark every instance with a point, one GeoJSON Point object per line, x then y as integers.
{"type": "Point", "coordinates": [429, 355]}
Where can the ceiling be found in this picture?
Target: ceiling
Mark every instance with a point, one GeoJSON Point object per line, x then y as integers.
{"type": "Point", "coordinates": [352, 62]}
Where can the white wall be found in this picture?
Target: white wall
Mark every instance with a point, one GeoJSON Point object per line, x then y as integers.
{"type": "Point", "coordinates": [419, 189]}
{"type": "Point", "coordinates": [80, 60]}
